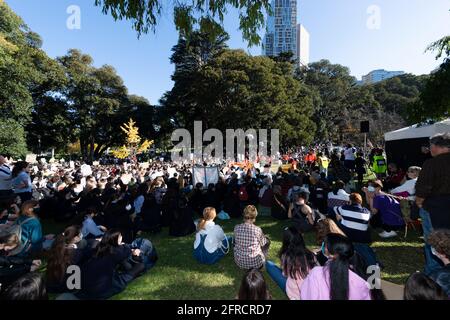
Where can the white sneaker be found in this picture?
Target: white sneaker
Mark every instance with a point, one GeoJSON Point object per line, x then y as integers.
{"type": "Point", "coordinates": [390, 234]}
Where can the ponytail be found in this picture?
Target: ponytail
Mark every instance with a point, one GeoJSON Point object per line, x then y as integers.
{"type": "Point", "coordinates": [342, 248]}
{"type": "Point", "coordinates": [209, 214]}
{"type": "Point", "coordinates": [59, 256]}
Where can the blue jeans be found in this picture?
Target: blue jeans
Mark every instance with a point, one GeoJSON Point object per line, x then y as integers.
{"type": "Point", "coordinates": [432, 263]}
{"type": "Point", "coordinates": [276, 274]}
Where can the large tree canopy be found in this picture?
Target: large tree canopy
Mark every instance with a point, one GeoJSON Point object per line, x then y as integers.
{"type": "Point", "coordinates": [231, 90]}
{"type": "Point", "coordinates": [207, 15]}
{"type": "Point", "coordinates": [25, 73]}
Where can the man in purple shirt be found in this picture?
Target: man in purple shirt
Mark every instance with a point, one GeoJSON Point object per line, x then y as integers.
{"type": "Point", "coordinates": [389, 211]}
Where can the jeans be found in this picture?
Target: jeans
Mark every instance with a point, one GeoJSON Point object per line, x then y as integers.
{"type": "Point", "coordinates": [432, 263]}
{"type": "Point", "coordinates": [276, 274]}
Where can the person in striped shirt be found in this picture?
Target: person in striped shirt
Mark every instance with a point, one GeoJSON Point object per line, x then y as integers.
{"type": "Point", "coordinates": [353, 219]}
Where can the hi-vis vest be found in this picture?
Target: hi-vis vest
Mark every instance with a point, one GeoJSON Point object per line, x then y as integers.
{"type": "Point", "coordinates": [379, 164]}
{"type": "Point", "coordinates": [324, 162]}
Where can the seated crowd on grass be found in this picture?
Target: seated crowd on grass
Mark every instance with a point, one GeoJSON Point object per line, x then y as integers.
{"type": "Point", "coordinates": [111, 209]}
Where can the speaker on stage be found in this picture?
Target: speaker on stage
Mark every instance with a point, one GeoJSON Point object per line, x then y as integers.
{"type": "Point", "coordinates": [364, 126]}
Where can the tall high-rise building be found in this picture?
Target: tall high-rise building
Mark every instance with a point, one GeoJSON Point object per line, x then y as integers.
{"type": "Point", "coordinates": [380, 75]}
{"type": "Point", "coordinates": [283, 34]}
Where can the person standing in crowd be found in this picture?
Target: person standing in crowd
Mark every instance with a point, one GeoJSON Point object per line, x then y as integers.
{"type": "Point", "coordinates": [433, 193]}
{"type": "Point", "coordinates": [6, 191]}
{"type": "Point", "coordinates": [21, 181]}
{"type": "Point", "coordinates": [310, 158]}
{"type": "Point", "coordinates": [349, 157]}
{"type": "Point", "coordinates": [250, 244]}
{"type": "Point", "coordinates": [323, 163]}
{"type": "Point", "coordinates": [265, 197]}
{"type": "Point", "coordinates": [379, 166]}
{"type": "Point", "coordinates": [360, 167]}
{"type": "Point", "coordinates": [439, 240]}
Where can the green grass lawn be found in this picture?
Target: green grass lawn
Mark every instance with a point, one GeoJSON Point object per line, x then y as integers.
{"type": "Point", "coordinates": [178, 276]}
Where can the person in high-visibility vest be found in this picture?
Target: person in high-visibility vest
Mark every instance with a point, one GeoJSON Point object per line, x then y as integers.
{"type": "Point", "coordinates": [379, 165]}
{"type": "Point", "coordinates": [323, 163]}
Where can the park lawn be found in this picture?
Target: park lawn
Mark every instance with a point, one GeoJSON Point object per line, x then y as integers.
{"type": "Point", "coordinates": [178, 276]}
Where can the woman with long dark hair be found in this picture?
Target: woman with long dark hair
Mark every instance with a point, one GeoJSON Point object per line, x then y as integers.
{"type": "Point", "coordinates": [21, 181]}
{"type": "Point", "coordinates": [100, 278]}
{"type": "Point", "coordinates": [339, 279]}
{"type": "Point", "coordinates": [296, 262]}
{"type": "Point", "coordinates": [65, 251]}
{"type": "Point", "coordinates": [253, 286]}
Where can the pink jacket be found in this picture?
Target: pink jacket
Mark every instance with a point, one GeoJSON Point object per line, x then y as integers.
{"type": "Point", "coordinates": [316, 286]}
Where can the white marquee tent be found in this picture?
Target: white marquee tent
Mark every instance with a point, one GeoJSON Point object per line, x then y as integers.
{"type": "Point", "coordinates": [415, 131]}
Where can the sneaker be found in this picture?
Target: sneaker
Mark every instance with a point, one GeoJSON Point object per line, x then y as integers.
{"type": "Point", "coordinates": [390, 234]}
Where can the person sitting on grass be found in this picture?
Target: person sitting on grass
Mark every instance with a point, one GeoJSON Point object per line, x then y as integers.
{"type": "Point", "coordinates": [343, 276]}
{"type": "Point", "coordinates": [421, 287]}
{"type": "Point", "coordinates": [296, 262]}
{"type": "Point", "coordinates": [32, 238]}
{"type": "Point", "coordinates": [211, 243]}
{"type": "Point", "coordinates": [30, 287]}
{"type": "Point", "coordinates": [301, 213]}
{"type": "Point", "coordinates": [250, 244]}
{"type": "Point", "coordinates": [439, 240]}
{"type": "Point", "coordinates": [90, 230]}
{"type": "Point", "coordinates": [386, 209]}
{"type": "Point", "coordinates": [323, 228]}
{"type": "Point", "coordinates": [12, 266]}
{"type": "Point", "coordinates": [67, 250]}
{"type": "Point", "coordinates": [100, 278]}
{"type": "Point", "coordinates": [253, 286]}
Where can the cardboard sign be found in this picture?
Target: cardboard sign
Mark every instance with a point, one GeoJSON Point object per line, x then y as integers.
{"type": "Point", "coordinates": [31, 158]}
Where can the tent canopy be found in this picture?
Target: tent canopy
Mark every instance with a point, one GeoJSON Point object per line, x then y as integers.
{"type": "Point", "coordinates": [416, 131]}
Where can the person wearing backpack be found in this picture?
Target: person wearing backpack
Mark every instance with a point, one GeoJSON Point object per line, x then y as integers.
{"type": "Point", "coordinates": [211, 244]}
{"type": "Point", "coordinates": [12, 266]}
{"type": "Point", "coordinates": [29, 229]}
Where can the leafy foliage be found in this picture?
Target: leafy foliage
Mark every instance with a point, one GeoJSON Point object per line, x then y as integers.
{"type": "Point", "coordinates": [207, 15]}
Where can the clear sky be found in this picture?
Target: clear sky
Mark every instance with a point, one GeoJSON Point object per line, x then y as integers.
{"type": "Point", "coordinates": [342, 31]}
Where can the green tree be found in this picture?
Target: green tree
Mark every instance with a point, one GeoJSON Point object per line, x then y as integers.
{"type": "Point", "coordinates": [434, 102]}
{"type": "Point", "coordinates": [94, 98]}
{"type": "Point", "coordinates": [234, 90]}
{"type": "Point", "coordinates": [332, 83]}
{"type": "Point", "coordinates": [25, 70]}
{"type": "Point", "coordinates": [207, 15]}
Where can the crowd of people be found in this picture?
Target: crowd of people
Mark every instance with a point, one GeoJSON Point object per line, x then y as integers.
{"type": "Point", "coordinates": [109, 209]}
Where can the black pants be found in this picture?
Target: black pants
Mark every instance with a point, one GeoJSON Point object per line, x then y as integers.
{"type": "Point", "coordinates": [376, 222]}
{"type": "Point", "coordinates": [25, 196]}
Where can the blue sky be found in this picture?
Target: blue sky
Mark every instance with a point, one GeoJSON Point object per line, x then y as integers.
{"type": "Point", "coordinates": [338, 30]}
